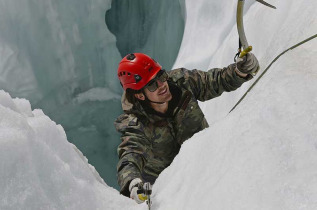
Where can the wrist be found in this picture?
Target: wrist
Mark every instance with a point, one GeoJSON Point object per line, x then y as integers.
{"type": "Point", "coordinates": [134, 183]}
{"type": "Point", "coordinates": [239, 73]}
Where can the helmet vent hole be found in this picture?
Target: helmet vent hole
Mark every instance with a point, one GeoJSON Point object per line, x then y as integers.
{"type": "Point", "coordinates": [129, 74]}
{"type": "Point", "coordinates": [137, 78]}
{"type": "Point", "coordinates": [131, 57]}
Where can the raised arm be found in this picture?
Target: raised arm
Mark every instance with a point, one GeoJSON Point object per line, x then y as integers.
{"type": "Point", "coordinates": [210, 84]}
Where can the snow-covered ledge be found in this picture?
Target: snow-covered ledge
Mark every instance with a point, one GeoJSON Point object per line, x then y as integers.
{"type": "Point", "coordinates": [40, 169]}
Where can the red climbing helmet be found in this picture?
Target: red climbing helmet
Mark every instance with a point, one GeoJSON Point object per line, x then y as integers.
{"type": "Point", "coordinates": [136, 70]}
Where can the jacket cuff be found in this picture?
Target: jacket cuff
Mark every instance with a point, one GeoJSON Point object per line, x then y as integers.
{"type": "Point", "coordinates": [243, 76]}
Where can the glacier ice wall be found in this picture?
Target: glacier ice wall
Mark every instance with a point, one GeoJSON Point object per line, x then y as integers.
{"type": "Point", "coordinates": [266, 161]}
{"type": "Point", "coordinates": [41, 170]}
{"type": "Point", "coordinates": [57, 47]}
{"type": "Point", "coordinates": [152, 27]}
{"type": "Point", "coordinates": [58, 55]}
{"type": "Point", "coordinates": [263, 154]}
{"type": "Point", "coordinates": [61, 56]}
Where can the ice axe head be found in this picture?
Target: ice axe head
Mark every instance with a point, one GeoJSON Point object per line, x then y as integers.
{"type": "Point", "coordinates": [266, 4]}
{"type": "Point", "coordinates": [243, 40]}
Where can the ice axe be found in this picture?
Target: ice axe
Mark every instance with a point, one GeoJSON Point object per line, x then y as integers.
{"type": "Point", "coordinates": [243, 43]}
{"type": "Point", "coordinates": [146, 189]}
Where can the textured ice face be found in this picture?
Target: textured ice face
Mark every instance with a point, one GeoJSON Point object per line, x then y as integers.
{"type": "Point", "coordinates": [40, 169]}
{"type": "Point", "coordinates": [55, 48]}
{"type": "Point", "coordinates": [267, 160]}
{"type": "Point", "coordinates": [152, 27]}
{"type": "Point", "coordinates": [61, 56]}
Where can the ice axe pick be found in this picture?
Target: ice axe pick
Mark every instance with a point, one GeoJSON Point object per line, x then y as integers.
{"type": "Point", "coordinates": [243, 40]}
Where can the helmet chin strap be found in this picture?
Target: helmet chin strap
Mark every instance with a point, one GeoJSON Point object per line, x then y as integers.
{"type": "Point", "coordinates": [147, 99]}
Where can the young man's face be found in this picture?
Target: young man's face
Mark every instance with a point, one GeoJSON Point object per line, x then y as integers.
{"type": "Point", "coordinates": [157, 90]}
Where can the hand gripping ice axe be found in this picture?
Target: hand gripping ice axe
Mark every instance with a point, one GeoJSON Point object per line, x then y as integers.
{"type": "Point", "coordinates": [243, 43]}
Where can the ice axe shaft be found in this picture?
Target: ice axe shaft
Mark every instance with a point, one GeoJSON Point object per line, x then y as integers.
{"type": "Point", "coordinates": [146, 189]}
{"type": "Point", "coordinates": [243, 39]}
{"type": "Point", "coordinates": [245, 46]}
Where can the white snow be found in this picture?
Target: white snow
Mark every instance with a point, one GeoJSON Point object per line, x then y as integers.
{"type": "Point", "coordinates": [40, 169]}
{"type": "Point", "coordinates": [263, 155]}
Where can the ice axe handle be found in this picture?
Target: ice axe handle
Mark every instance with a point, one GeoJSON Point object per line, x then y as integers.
{"type": "Point", "coordinates": [245, 51]}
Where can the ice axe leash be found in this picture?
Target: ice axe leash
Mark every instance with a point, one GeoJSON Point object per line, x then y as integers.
{"type": "Point", "coordinates": [146, 189]}
{"type": "Point", "coordinates": [267, 68]}
{"type": "Point", "coordinates": [244, 47]}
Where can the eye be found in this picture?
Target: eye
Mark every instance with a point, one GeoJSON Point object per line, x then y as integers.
{"type": "Point", "coordinates": [151, 83]}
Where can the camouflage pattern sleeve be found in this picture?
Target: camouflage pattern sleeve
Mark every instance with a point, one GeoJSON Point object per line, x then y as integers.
{"type": "Point", "coordinates": [132, 152]}
{"type": "Point", "coordinates": [210, 84]}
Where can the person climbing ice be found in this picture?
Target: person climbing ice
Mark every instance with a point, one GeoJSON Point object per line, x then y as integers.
{"type": "Point", "coordinates": [161, 111]}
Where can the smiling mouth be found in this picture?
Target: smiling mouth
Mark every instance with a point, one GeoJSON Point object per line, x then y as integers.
{"type": "Point", "coordinates": [163, 92]}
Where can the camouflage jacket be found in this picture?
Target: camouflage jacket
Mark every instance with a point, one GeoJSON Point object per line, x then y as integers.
{"type": "Point", "coordinates": [150, 140]}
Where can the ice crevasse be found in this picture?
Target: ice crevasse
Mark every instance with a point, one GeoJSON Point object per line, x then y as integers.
{"type": "Point", "coordinates": [263, 155]}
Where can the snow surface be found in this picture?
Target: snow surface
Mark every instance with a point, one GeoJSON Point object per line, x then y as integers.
{"type": "Point", "coordinates": [40, 169]}
{"type": "Point", "coordinates": [263, 155]}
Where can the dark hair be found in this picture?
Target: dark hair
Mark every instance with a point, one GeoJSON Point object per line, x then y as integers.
{"type": "Point", "coordinates": [130, 95]}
